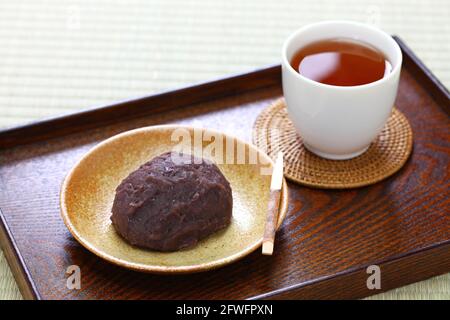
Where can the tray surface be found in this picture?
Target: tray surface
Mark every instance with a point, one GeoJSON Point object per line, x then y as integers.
{"type": "Point", "coordinates": [325, 243]}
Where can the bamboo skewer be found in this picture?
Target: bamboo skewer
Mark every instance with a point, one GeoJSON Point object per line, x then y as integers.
{"type": "Point", "coordinates": [273, 207]}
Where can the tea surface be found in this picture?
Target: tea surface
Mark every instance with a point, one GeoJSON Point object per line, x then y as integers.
{"type": "Point", "coordinates": [341, 62]}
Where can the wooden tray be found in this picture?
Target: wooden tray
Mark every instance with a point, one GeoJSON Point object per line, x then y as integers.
{"type": "Point", "coordinates": [324, 246]}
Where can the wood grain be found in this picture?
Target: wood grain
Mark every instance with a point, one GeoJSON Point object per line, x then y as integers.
{"type": "Point", "coordinates": [324, 246]}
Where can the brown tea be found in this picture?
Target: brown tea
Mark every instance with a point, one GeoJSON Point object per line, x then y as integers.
{"type": "Point", "coordinates": [341, 62]}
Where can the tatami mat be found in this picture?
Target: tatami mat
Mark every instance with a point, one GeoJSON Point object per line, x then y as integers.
{"type": "Point", "coordinates": [63, 56]}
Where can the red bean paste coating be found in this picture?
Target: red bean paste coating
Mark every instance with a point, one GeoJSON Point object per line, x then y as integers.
{"type": "Point", "coordinates": [167, 206]}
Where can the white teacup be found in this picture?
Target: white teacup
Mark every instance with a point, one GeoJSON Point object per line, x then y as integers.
{"type": "Point", "coordinates": [339, 122]}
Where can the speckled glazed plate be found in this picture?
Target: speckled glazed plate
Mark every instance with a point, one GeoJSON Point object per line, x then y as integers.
{"type": "Point", "coordinates": [88, 192]}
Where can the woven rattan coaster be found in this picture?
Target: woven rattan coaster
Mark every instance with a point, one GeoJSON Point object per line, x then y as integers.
{"type": "Point", "coordinates": [273, 132]}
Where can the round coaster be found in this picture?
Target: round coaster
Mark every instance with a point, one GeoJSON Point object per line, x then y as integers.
{"type": "Point", "coordinates": [274, 132]}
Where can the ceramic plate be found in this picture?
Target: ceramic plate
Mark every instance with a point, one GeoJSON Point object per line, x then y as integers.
{"type": "Point", "coordinates": [88, 191]}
